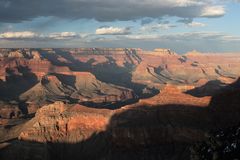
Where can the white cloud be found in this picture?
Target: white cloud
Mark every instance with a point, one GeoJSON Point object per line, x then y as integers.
{"type": "Point", "coordinates": [24, 35]}
{"type": "Point", "coordinates": [63, 35]}
{"type": "Point", "coordinates": [231, 38]}
{"type": "Point", "coordinates": [112, 31]}
{"type": "Point", "coordinates": [182, 37]}
{"type": "Point", "coordinates": [196, 24]}
{"type": "Point", "coordinates": [18, 35]}
{"type": "Point", "coordinates": [213, 11]}
{"type": "Point", "coordinates": [166, 3]}
{"type": "Point", "coordinates": [185, 3]}
{"type": "Point", "coordinates": [142, 37]}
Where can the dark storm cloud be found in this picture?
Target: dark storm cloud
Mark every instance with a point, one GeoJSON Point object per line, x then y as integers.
{"type": "Point", "coordinates": [105, 10]}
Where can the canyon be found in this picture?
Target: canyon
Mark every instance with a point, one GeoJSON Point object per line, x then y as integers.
{"type": "Point", "coordinates": [113, 103]}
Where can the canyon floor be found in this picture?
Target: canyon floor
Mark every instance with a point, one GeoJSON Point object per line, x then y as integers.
{"type": "Point", "coordinates": [114, 103]}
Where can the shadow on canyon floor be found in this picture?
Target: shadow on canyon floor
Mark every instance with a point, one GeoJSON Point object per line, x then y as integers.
{"type": "Point", "coordinates": [209, 89]}
{"type": "Point", "coordinates": [213, 87]}
{"type": "Point", "coordinates": [17, 83]}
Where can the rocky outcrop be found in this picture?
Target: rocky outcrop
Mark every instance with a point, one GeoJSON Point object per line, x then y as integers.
{"type": "Point", "coordinates": [193, 53]}
{"type": "Point", "coordinates": [72, 123]}
{"type": "Point", "coordinates": [158, 69]}
{"type": "Point", "coordinates": [120, 133]}
{"type": "Point", "coordinates": [61, 123]}
{"type": "Point", "coordinates": [15, 54]}
{"type": "Point", "coordinates": [36, 55]}
{"type": "Point", "coordinates": [221, 144]}
{"type": "Point", "coordinates": [9, 111]}
{"type": "Point", "coordinates": [165, 129]}
{"type": "Point", "coordinates": [84, 87]}
{"type": "Point", "coordinates": [171, 95]}
{"type": "Point", "coordinates": [88, 86]}
{"type": "Point", "coordinates": [38, 67]}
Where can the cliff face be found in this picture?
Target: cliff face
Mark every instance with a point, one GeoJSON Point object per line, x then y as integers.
{"type": "Point", "coordinates": [98, 76]}
{"type": "Point", "coordinates": [46, 76]}
{"type": "Point", "coordinates": [83, 87]}
{"type": "Point", "coordinates": [171, 95]}
{"type": "Point", "coordinates": [162, 113]}
{"type": "Point", "coordinates": [116, 133]}
{"type": "Point", "coordinates": [175, 69]}
{"type": "Point", "coordinates": [163, 130]}
{"type": "Point", "coordinates": [130, 68]}
{"type": "Point", "coordinates": [60, 123]}
{"type": "Point", "coordinates": [36, 66]}
{"type": "Point", "coordinates": [113, 103]}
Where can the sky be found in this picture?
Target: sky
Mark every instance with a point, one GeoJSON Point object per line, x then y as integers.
{"type": "Point", "coordinates": [180, 25]}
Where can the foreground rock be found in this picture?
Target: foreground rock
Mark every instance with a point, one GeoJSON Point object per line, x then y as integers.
{"type": "Point", "coordinates": [60, 123]}
{"type": "Point", "coordinates": [221, 144]}
{"type": "Point", "coordinates": [60, 131]}
{"type": "Point", "coordinates": [117, 134]}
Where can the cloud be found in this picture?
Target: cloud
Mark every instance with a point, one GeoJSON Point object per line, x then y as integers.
{"type": "Point", "coordinates": [205, 36]}
{"type": "Point", "coordinates": [28, 35]}
{"type": "Point", "coordinates": [185, 20]}
{"type": "Point", "coordinates": [180, 42]}
{"type": "Point", "coordinates": [156, 27]}
{"type": "Point", "coordinates": [18, 35]}
{"type": "Point", "coordinates": [63, 35]}
{"type": "Point", "coordinates": [15, 11]}
{"type": "Point", "coordinates": [187, 37]}
{"type": "Point", "coordinates": [190, 23]}
{"type": "Point", "coordinates": [213, 11]}
{"type": "Point", "coordinates": [196, 24]}
{"type": "Point", "coordinates": [142, 37]}
{"type": "Point", "coordinates": [112, 31]}
{"type": "Point", "coordinates": [146, 21]}
{"type": "Point", "coordinates": [5, 3]}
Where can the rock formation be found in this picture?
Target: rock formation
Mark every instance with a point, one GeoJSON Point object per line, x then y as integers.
{"type": "Point", "coordinates": [171, 95]}
{"type": "Point", "coordinates": [9, 111]}
{"type": "Point", "coordinates": [60, 123]}
{"type": "Point", "coordinates": [84, 87]}
{"type": "Point", "coordinates": [113, 103]}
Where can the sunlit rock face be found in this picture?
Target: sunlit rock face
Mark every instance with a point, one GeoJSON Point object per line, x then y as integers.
{"type": "Point", "coordinates": [60, 123]}
{"type": "Point", "coordinates": [171, 95]}
{"type": "Point", "coordinates": [188, 69]}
